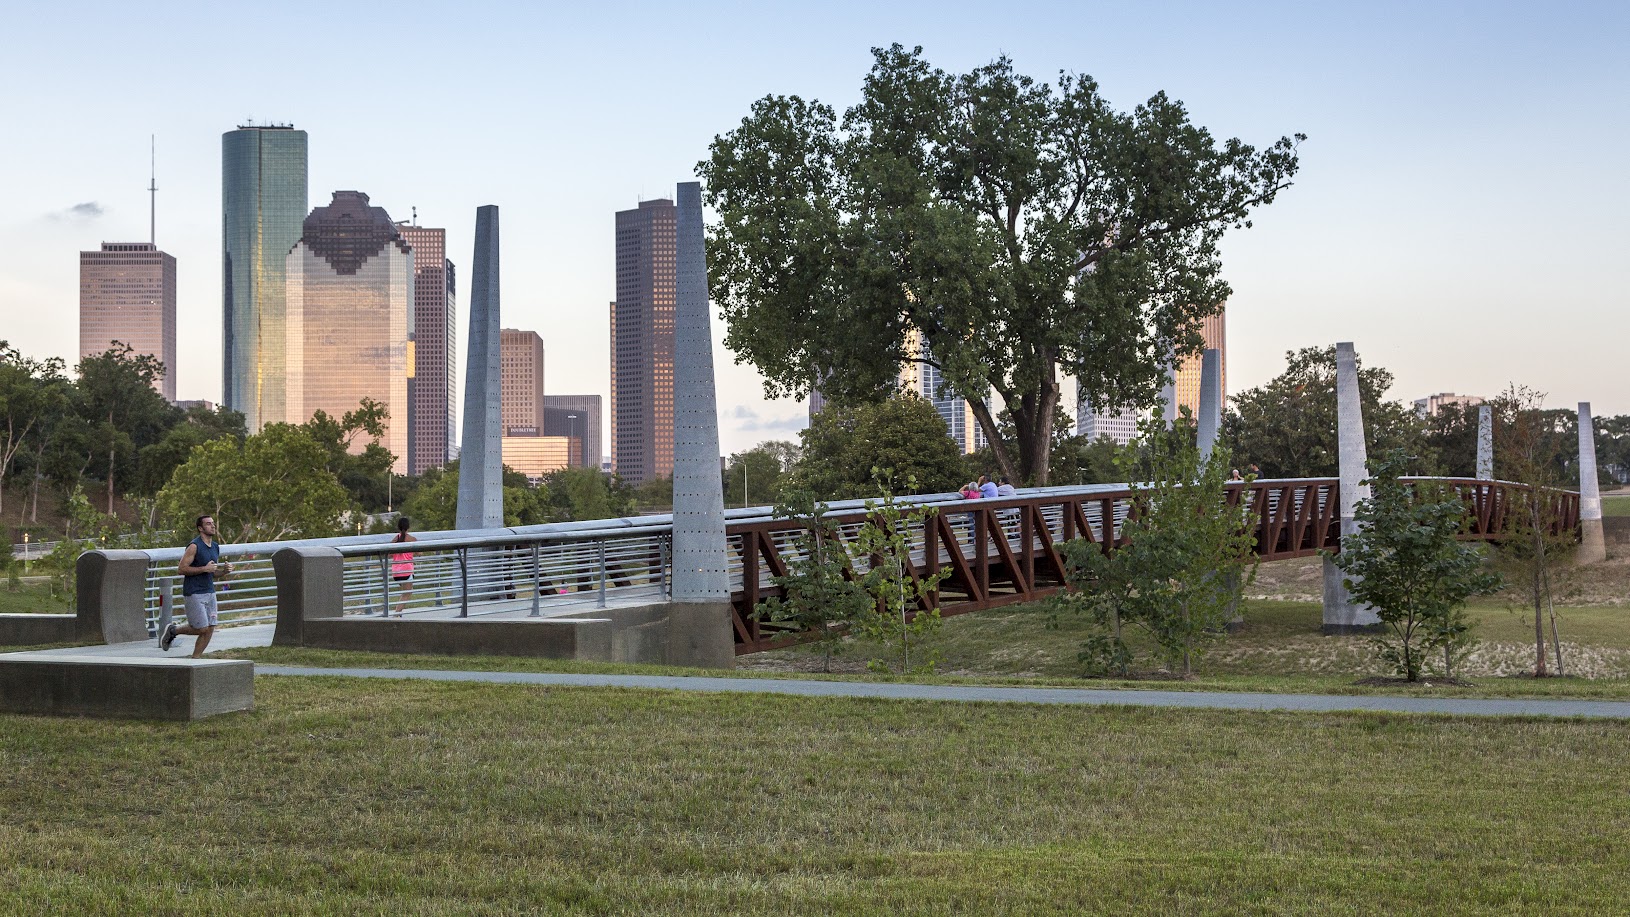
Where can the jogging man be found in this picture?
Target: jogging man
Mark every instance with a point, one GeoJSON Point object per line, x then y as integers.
{"type": "Point", "coordinates": [199, 566]}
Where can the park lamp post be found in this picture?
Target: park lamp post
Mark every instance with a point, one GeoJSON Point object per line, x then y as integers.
{"type": "Point", "coordinates": [25, 553]}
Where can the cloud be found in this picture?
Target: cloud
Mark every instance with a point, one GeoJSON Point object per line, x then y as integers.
{"type": "Point", "coordinates": [88, 210]}
{"type": "Point", "coordinates": [747, 420]}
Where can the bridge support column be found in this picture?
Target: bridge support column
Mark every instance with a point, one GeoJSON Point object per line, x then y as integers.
{"type": "Point", "coordinates": [1210, 420]}
{"type": "Point", "coordinates": [700, 630]}
{"type": "Point", "coordinates": [480, 467]}
{"type": "Point", "coordinates": [1485, 443]}
{"type": "Point", "coordinates": [1342, 614]}
{"type": "Point", "coordinates": [1592, 540]}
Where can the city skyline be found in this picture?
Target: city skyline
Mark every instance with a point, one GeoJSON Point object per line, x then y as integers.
{"type": "Point", "coordinates": [1447, 219]}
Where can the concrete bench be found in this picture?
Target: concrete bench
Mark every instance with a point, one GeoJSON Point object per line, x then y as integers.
{"type": "Point", "coordinates": [33, 629]}
{"type": "Point", "coordinates": [63, 684]}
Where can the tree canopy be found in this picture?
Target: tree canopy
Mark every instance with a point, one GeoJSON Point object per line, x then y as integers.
{"type": "Point", "coordinates": [843, 444]}
{"type": "Point", "coordinates": [1288, 426]}
{"type": "Point", "coordinates": [998, 228]}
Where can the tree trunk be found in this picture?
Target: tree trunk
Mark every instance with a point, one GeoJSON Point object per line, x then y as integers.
{"type": "Point", "coordinates": [1556, 639]}
{"type": "Point", "coordinates": [1539, 625]}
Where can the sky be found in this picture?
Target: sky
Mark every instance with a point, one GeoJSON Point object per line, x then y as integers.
{"type": "Point", "coordinates": [1458, 213]}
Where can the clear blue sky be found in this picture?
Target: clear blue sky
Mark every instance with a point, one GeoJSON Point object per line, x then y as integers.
{"type": "Point", "coordinates": [1459, 213]}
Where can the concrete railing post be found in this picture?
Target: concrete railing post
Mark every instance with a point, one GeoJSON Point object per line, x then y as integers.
{"type": "Point", "coordinates": [1343, 615]}
{"type": "Point", "coordinates": [112, 595]}
{"type": "Point", "coordinates": [310, 585]}
{"type": "Point", "coordinates": [1592, 540]}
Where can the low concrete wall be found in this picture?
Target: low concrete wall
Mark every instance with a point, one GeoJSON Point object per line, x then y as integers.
{"type": "Point", "coordinates": [30, 630]}
{"type": "Point", "coordinates": [151, 689]}
{"type": "Point", "coordinates": [310, 583]}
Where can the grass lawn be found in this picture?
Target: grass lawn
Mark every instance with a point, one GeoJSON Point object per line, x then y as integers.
{"type": "Point", "coordinates": [1280, 649]}
{"type": "Point", "coordinates": [339, 796]}
{"type": "Point", "coordinates": [31, 598]}
{"type": "Point", "coordinates": [1616, 505]}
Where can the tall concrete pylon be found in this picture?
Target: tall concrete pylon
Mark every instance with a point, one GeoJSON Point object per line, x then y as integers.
{"type": "Point", "coordinates": [1210, 420]}
{"type": "Point", "coordinates": [481, 461]}
{"type": "Point", "coordinates": [1343, 615]}
{"type": "Point", "coordinates": [701, 627]}
{"type": "Point", "coordinates": [1485, 443]}
{"type": "Point", "coordinates": [1592, 540]}
{"type": "Point", "coordinates": [1168, 392]}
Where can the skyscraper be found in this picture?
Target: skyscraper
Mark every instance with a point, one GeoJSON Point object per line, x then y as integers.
{"type": "Point", "coordinates": [263, 204]}
{"type": "Point", "coordinates": [127, 294]}
{"type": "Point", "coordinates": [521, 371]}
{"type": "Point", "coordinates": [432, 351]}
{"type": "Point", "coordinates": [927, 381]}
{"type": "Point", "coordinates": [1120, 424]}
{"type": "Point", "coordinates": [349, 313]}
{"type": "Point", "coordinates": [1186, 381]}
{"type": "Point", "coordinates": [642, 359]}
{"type": "Point", "coordinates": [577, 417]}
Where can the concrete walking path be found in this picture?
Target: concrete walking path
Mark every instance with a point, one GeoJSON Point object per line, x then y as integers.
{"type": "Point", "coordinates": [1210, 700]}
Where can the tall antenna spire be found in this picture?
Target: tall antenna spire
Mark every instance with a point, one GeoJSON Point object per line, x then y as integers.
{"type": "Point", "coordinates": [152, 190]}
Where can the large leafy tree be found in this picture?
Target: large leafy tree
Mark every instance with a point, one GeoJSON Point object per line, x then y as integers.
{"type": "Point", "coordinates": [998, 228]}
{"type": "Point", "coordinates": [274, 485]}
{"type": "Point", "coordinates": [25, 404]}
{"type": "Point", "coordinates": [753, 478]}
{"type": "Point", "coordinates": [843, 445]}
{"type": "Point", "coordinates": [122, 411]}
{"type": "Point", "coordinates": [1288, 426]}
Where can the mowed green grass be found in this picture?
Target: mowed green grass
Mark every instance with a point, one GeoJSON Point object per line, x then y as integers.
{"type": "Point", "coordinates": [1616, 505]}
{"type": "Point", "coordinates": [1280, 649]}
{"type": "Point", "coordinates": [340, 796]}
{"type": "Point", "coordinates": [31, 598]}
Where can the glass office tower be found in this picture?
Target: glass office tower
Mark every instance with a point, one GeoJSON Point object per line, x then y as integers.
{"type": "Point", "coordinates": [349, 314]}
{"type": "Point", "coordinates": [263, 203]}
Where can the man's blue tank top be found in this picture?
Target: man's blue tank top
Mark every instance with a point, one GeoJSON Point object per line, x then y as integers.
{"type": "Point", "coordinates": [201, 583]}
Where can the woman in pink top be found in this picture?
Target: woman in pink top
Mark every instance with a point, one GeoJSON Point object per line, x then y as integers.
{"type": "Point", "coordinates": [402, 567]}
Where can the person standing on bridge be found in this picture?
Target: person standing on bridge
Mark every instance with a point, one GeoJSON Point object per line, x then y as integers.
{"type": "Point", "coordinates": [200, 564]}
{"type": "Point", "coordinates": [987, 487]}
{"type": "Point", "coordinates": [402, 567]}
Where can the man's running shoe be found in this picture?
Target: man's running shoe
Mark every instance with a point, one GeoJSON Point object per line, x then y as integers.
{"type": "Point", "coordinates": [168, 638]}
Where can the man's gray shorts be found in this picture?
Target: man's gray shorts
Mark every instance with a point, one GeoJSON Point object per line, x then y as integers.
{"type": "Point", "coordinates": [201, 610]}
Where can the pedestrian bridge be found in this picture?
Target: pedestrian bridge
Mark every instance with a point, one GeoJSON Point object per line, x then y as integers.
{"type": "Point", "coordinates": [997, 552]}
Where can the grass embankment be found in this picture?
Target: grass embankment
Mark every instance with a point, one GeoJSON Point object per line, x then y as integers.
{"type": "Point", "coordinates": [1280, 649]}
{"type": "Point", "coordinates": [32, 598]}
{"type": "Point", "coordinates": [1616, 505]}
{"type": "Point", "coordinates": [339, 796]}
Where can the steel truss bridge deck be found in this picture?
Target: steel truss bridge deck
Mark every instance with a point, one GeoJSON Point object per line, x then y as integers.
{"type": "Point", "coordinates": [997, 552]}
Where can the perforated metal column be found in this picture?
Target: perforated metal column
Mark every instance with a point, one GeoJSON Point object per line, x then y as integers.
{"type": "Point", "coordinates": [480, 467]}
{"type": "Point", "coordinates": [701, 572]}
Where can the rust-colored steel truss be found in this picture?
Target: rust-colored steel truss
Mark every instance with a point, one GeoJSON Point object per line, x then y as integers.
{"type": "Point", "coordinates": [1004, 551]}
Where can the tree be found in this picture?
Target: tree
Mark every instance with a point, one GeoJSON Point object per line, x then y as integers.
{"type": "Point", "coordinates": [844, 443]}
{"type": "Point", "coordinates": [123, 411]}
{"type": "Point", "coordinates": [819, 594]}
{"type": "Point", "coordinates": [155, 463]}
{"type": "Point", "coordinates": [355, 456]}
{"type": "Point", "coordinates": [1179, 576]}
{"type": "Point", "coordinates": [434, 503]}
{"type": "Point", "coordinates": [580, 493]}
{"type": "Point", "coordinates": [1406, 563]}
{"type": "Point", "coordinates": [1288, 427]}
{"type": "Point", "coordinates": [895, 617]}
{"type": "Point", "coordinates": [1451, 436]}
{"type": "Point", "coordinates": [1078, 460]}
{"type": "Point", "coordinates": [995, 227]}
{"type": "Point", "coordinates": [24, 403]}
{"type": "Point", "coordinates": [274, 485]}
{"type": "Point", "coordinates": [753, 478]}
{"type": "Point", "coordinates": [1535, 553]}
